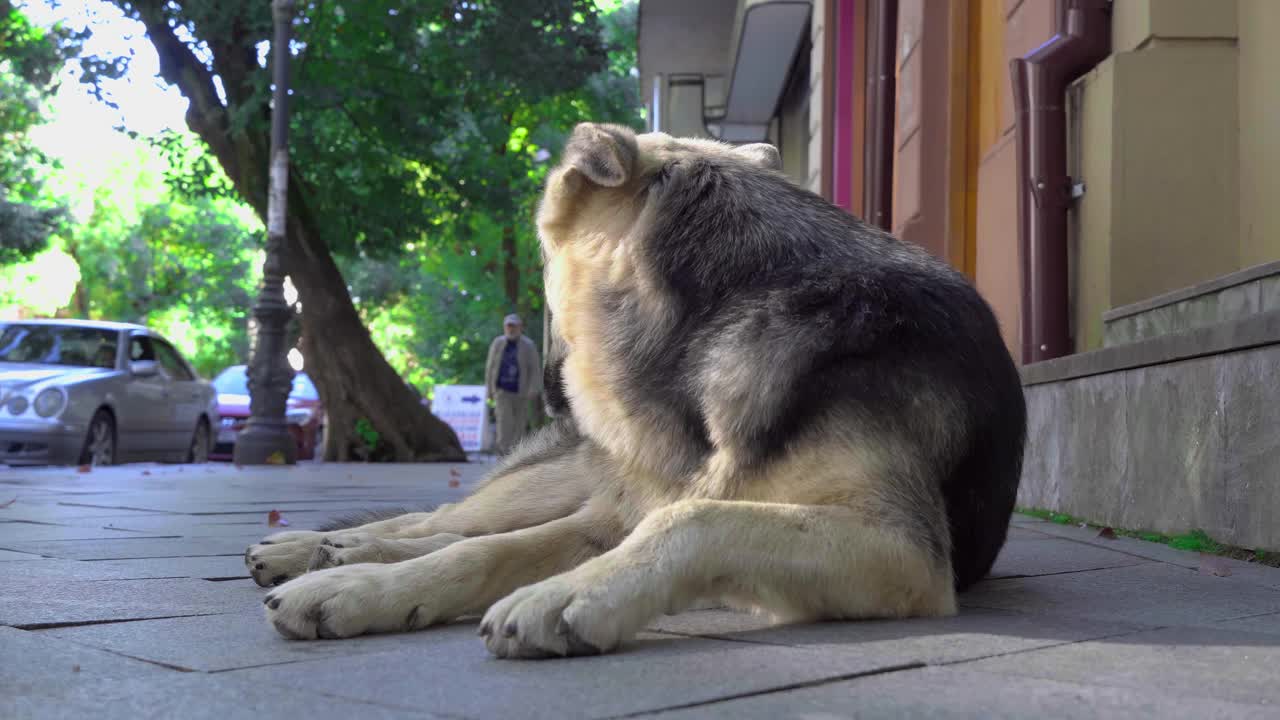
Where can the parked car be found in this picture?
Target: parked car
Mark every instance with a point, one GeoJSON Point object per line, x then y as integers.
{"type": "Point", "coordinates": [99, 393]}
{"type": "Point", "coordinates": [304, 412]}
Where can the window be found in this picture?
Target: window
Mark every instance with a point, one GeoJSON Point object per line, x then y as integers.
{"type": "Point", "coordinates": [141, 349]}
{"type": "Point", "coordinates": [58, 345]}
{"type": "Point", "coordinates": [172, 362]}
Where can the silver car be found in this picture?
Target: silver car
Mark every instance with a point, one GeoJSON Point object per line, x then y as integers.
{"type": "Point", "coordinates": [99, 393]}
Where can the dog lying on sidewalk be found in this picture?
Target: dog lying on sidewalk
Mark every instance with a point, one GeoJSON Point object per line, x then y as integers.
{"type": "Point", "coordinates": [760, 400]}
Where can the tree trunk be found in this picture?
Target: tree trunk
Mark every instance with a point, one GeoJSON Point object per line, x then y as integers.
{"type": "Point", "coordinates": [511, 268]}
{"type": "Point", "coordinates": [354, 379]}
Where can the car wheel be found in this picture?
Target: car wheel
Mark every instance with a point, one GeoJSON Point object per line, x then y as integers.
{"type": "Point", "coordinates": [100, 443]}
{"type": "Point", "coordinates": [199, 451]}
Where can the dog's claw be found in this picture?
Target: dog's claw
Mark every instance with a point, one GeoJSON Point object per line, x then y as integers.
{"type": "Point", "coordinates": [509, 630]}
{"type": "Point", "coordinates": [273, 603]}
{"type": "Point", "coordinates": [485, 630]}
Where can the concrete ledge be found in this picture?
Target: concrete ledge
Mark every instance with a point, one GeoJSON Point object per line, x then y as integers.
{"type": "Point", "coordinates": [1211, 286]}
{"type": "Point", "coordinates": [1224, 299]}
{"type": "Point", "coordinates": [1251, 332]}
{"type": "Point", "coordinates": [1171, 434]}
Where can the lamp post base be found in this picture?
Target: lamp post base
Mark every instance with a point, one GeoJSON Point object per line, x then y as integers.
{"type": "Point", "coordinates": [265, 442]}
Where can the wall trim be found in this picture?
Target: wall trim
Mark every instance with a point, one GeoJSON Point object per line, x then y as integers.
{"type": "Point", "coordinates": [1252, 332]}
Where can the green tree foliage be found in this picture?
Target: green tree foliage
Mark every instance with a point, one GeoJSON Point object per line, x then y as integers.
{"type": "Point", "coordinates": [438, 303]}
{"type": "Point", "coordinates": [186, 268]}
{"type": "Point", "coordinates": [30, 58]}
{"type": "Point", "coordinates": [415, 125]}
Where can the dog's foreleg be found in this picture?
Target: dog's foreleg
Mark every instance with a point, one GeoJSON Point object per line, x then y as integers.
{"type": "Point", "coordinates": [461, 579]}
{"type": "Point", "coordinates": [798, 562]}
{"type": "Point", "coordinates": [286, 555]}
{"type": "Point", "coordinates": [549, 485]}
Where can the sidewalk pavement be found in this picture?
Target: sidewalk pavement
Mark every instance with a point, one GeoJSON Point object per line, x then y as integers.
{"type": "Point", "coordinates": [123, 595]}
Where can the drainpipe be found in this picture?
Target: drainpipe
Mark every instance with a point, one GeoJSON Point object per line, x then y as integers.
{"type": "Point", "coordinates": [1081, 40]}
{"type": "Point", "coordinates": [881, 101]}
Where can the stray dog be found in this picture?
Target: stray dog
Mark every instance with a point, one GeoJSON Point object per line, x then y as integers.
{"type": "Point", "coordinates": [759, 401]}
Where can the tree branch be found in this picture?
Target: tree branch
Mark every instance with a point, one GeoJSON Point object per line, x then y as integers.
{"type": "Point", "coordinates": [206, 115]}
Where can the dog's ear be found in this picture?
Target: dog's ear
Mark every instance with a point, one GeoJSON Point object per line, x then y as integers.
{"type": "Point", "coordinates": [762, 154]}
{"type": "Point", "coordinates": [603, 154]}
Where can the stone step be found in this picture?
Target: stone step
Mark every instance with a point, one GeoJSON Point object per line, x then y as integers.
{"type": "Point", "coordinates": [1228, 298]}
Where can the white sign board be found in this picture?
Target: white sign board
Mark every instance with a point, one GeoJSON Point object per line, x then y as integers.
{"type": "Point", "coordinates": [463, 408]}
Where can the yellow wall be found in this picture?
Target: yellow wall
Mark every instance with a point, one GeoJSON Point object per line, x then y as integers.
{"type": "Point", "coordinates": [1259, 107]}
{"type": "Point", "coordinates": [1091, 219]}
{"type": "Point", "coordinates": [1174, 156]}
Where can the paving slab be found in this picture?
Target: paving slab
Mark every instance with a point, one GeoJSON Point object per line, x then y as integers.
{"type": "Point", "coordinates": [28, 532]}
{"type": "Point", "coordinates": [134, 547]}
{"type": "Point", "coordinates": [1025, 556]}
{"type": "Point", "coordinates": [1268, 624]}
{"type": "Point", "coordinates": [192, 697]}
{"type": "Point", "coordinates": [974, 633]}
{"type": "Point", "coordinates": [452, 674]}
{"type": "Point", "coordinates": [53, 570]}
{"type": "Point", "coordinates": [228, 642]}
{"type": "Point", "coordinates": [58, 679]}
{"type": "Point", "coordinates": [1152, 593]}
{"type": "Point", "coordinates": [115, 600]}
{"type": "Point", "coordinates": [189, 647]}
{"type": "Point", "coordinates": [6, 555]}
{"type": "Point", "coordinates": [1229, 665]}
{"type": "Point", "coordinates": [953, 694]}
{"type": "Point", "coordinates": [48, 666]}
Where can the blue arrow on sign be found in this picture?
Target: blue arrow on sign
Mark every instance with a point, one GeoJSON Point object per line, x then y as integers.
{"type": "Point", "coordinates": [471, 399]}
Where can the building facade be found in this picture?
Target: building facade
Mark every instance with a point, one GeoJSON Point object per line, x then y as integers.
{"type": "Point", "coordinates": [1107, 173]}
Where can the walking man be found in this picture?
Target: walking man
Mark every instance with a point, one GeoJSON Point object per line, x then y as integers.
{"type": "Point", "coordinates": [513, 375]}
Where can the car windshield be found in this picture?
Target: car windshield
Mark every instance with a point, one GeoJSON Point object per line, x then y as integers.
{"type": "Point", "coordinates": [58, 345]}
{"type": "Point", "coordinates": [235, 381]}
{"type": "Point", "coordinates": [232, 381]}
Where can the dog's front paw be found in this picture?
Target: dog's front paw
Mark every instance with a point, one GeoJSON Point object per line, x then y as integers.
{"type": "Point", "coordinates": [558, 617]}
{"type": "Point", "coordinates": [281, 557]}
{"type": "Point", "coordinates": [346, 549]}
{"type": "Point", "coordinates": [342, 602]}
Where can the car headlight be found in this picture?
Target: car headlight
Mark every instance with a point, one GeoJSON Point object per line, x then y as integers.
{"type": "Point", "coordinates": [50, 402]}
{"type": "Point", "coordinates": [18, 404]}
{"type": "Point", "coordinates": [299, 416]}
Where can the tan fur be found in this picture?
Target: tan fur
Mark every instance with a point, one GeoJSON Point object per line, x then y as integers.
{"type": "Point", "coordinates": [576, 554]}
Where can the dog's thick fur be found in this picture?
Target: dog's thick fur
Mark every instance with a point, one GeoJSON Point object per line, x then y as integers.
{"type": "Point", "coordinates": [760, 400]}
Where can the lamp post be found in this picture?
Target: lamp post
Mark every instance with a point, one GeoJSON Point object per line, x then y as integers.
{"type": "Point", "coordinates": [266, 439]}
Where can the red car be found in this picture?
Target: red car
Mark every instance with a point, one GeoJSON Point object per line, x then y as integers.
{"type": "Point", "coordinates": [304, 412]}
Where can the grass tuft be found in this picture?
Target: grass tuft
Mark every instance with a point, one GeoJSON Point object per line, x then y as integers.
{"type": "Point", "coordinates": [1194, 541]}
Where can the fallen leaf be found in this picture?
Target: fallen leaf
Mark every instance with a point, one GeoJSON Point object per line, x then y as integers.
{"type": "Point", "coordinates": [1107, 533]}
{"type": "Point", "coordinates": [273, 518]}
{"type": "Point", "coordinates": [1214, 565]}
{"type": "Point", "coordinates": [454, 483]}
{"type": "Point", "coordinates": [5, 505]}
{"type": "Point", "coordinates": [84, 468]}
